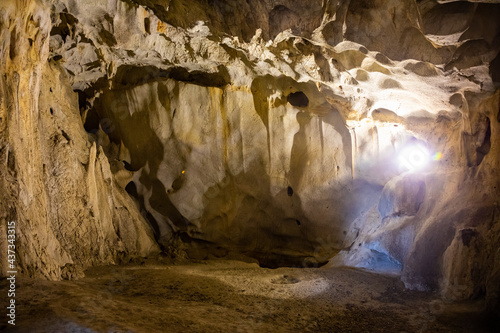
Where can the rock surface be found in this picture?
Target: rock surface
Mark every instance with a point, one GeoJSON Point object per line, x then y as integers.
{"type": "Point", "coordinates": [268, 128]}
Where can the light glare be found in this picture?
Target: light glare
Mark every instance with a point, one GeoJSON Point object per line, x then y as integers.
{"type": "Point", "coordinates": [414, 157]}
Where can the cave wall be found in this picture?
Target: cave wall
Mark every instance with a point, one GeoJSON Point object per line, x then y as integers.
{"type": "Point", "coordinates": [266, 128]}
{"type": "Point", "coordinates": [56, 183]}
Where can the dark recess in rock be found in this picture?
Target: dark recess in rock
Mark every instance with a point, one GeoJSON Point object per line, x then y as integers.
{"type": "Point", "coordinates": [92, 121]}
{"type": "Point", "coordinates": [129, 76]}
{"type": "Point", "coordinates": [65, 27]}
{"type": "Point", "coordinates": [11, 162]}
{"type": "Point", "coordinates": [298, 99]}
{"type": "Point", "coordinates": [467, 235]}
{"type": "Point", "coordinates": [128, 166]}
{"type": "Point", "coordinates": [82, 100]}
{"type": "Point", "coordinates": [66, 136]}
{"type": "Point", "coordinates": [12, 45]}
{"type": "Point", "coordinates": [217, 79]}
{"type": "Point", "coordinates": [177, 183]}
{"type": "Point", "coordinates": [486, 145]}
{"type": "Point", "coordinates": [289, 191]}
{"type": "Point", "coordinates": [495, 70]}
{"type": "Point", "coordinates": [132, 189]}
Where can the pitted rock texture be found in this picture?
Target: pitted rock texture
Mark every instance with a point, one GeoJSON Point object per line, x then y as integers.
{"type": "Point", "coordinates": [56, 184]}
{"type": "Point", "coordinates": [269, 128]}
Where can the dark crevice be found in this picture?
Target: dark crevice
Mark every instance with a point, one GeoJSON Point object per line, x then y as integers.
{"type": "Point", "coordinates": [128, 166]}
{"type": "Point", "coordinates": [11, 162]}
{"type": "Point", "coordinates": [66, 26]}
{"type": "Point", "coordinates": [83, 103]}
{"type": "Point", "coordinates": [92, 121]}
{"type": "Point", "coordinates": [131, 189]}
{"type": "Point", "coordinates": [12, 45]}
{"type": "Point", "coordinates": [218, 79]}
{"type": "Point", "coordinates": [486, 145]}
{"type": "Point", "coordinates": [66, 136]}
{"type": "Point", "coordinates": [495, 69]}
{"type": "Point", "coordinates": [127, 76]}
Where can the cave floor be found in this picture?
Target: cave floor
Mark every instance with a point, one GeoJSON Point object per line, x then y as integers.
{"type": "Point", "coordinates": [234, 296]}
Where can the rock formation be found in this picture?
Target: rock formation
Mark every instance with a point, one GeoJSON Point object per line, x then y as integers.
{"type": "Point", "coordinates": [274, 129]}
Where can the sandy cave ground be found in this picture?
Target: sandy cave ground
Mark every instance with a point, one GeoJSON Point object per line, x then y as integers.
{"type": "Point", "coordinates": [235, 296]}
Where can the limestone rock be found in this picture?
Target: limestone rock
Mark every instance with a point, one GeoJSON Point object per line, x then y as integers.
{"type": "Point", "coordinates": [269, 128]}
{"type": "Point", "coordinates": [56, 185]}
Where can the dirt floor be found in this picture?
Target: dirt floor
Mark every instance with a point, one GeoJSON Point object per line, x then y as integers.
{"type": "Point", "coordinates": [234, 296]}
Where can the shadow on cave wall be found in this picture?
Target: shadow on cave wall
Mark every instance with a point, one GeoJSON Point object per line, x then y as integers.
{"type": "Point", "coordinates": [113, 109]}
{"type": "Point", "coordinates": [271, 227]}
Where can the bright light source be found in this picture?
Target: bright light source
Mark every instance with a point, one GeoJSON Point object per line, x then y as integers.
{"type": "Point", "coordinates": [414, 157]}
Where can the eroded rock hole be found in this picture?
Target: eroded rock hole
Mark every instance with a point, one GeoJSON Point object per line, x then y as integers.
{"type": "Point", "coordinates": [65, 27]}
{"type": "Point", "coordinates": [147, 25]}
{"type": "Point", "coordinates": [92, 121]}
{"type": "Point", "coordinates": [298, 99]}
